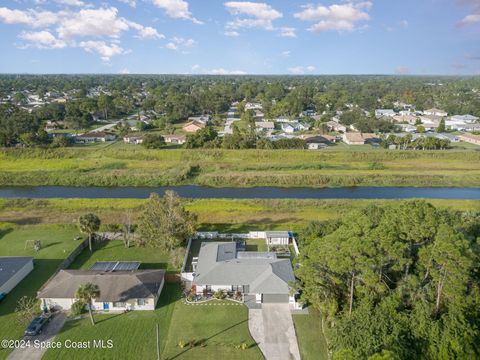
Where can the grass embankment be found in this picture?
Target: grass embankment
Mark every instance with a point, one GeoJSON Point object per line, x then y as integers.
{"type": "Point", "coordinates": [213, 214]}
{"type": "Point", "coordinates": [57, 243]}
{"type": "Point", "coordinates": [123, 165]}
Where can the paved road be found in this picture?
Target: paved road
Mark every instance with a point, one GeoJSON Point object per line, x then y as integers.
{"type": "Point", "coordinates": [272, 328]}
{"type": "Point", "coordinates": [48, 334]}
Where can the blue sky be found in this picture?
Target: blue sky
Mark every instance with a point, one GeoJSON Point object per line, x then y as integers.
{"type": "Point", "coordinates": [240, 37]}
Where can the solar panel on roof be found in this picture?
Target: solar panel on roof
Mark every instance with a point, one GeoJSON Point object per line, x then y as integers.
{"type": "Point", "coordinates": [110, 266]}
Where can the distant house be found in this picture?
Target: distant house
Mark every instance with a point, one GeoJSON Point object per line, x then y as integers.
{"type": "Point", "coordinates": [13, 269]}
{"type": "Point", "coordinates": [470, 138]}
{"type": "Point", "coordinates": [253, 106]}
{"type": "Point", "coordinates": [193, 126]}
{"type": "Point", "coordinates": [119, 290]}
{"type": "Point", "coordinates": [294, 126]}
{"type": "Point", "coordinates": [409, 119]}
{"type": "Point", "coordinates": [259, 276]}
{"type": "Point", "coordinates": [259, 115]}
{"type": "Point", "coordinates": [93, 137]}
{"type": "Point", "coordinates": [319, 141]}
{"type": "Point", "coordinates": [309, 112]}
{"type": "Point", "coordinates": [357, 138]}
{"type": "Point", "coordinates": [265, 125]}
{"type": "Point", "coordinates": [464, 118]}
{"type": "Point", "coordinates": [133, 140]}
{"type": "Point", "coordinates": [175, 139]}
{"type": "Point", "coordinates": [335, 126]}
{"type": "Point", "coordinates": [435, 112]}
{"type": "Point", "coordinates": [384, 112]}
{"type": "Point", "coordinates": [204, 119]}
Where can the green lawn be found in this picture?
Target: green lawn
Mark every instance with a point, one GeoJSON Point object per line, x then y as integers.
{"type": "Point", "coordinates": [218, 327]}
{"type": "Point", "coordinates": [117, 164]}
{"type": "Point", "coordinates": [57, 242]}
{"type": "Point", "coordinates": [133, 334]}
{"type": "Point", "coordinates": [310, 336]}
{"type": "Point", "coordinates": [116, 251]}
{"type": "Point", "coordinates": [218, 330]}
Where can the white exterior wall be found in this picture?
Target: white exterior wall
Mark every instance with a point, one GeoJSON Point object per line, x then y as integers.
{"type": "Point", "coordinates": [15, 279]}
{"type": "Point", "coordinates": [213, 288]}
{"type": "Point", "coordinates": [277, 241]}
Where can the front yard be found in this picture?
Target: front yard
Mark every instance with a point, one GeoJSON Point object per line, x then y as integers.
{"type": "Point", "coordinates": [311, 342]}
{"type": "Point", "coordinates": [213, 330]}
{"type": "Point", "coordinates": [57, 243]}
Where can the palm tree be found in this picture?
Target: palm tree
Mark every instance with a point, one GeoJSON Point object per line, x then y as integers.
{"type": "Point", "coordinates": [86, 293]}
{"type": "Point", "coordinates": [89, 224]}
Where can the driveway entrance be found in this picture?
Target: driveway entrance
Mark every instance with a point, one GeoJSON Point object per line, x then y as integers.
{"type": "Point", "coordinates": [272, 328]}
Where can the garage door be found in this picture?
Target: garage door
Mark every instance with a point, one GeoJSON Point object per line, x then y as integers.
{"type": "Point", "coordinates": [275, 298]}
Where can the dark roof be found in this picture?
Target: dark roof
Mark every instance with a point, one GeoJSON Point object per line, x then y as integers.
{"type": "Point", "coordinates": [10, 265]}
{"type": "Point", "coordinates": [95, 135]}
{"type": "Point", "coordinates": [114, 286]}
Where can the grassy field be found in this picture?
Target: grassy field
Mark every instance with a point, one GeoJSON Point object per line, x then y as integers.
{"type": "Point", "coordinates": [57, 242]}
{"type": "Point", "coordinates": [122, 165]}
{"type": "Point", "coordinates": [213, 214]}
{"type": "Point", "coordinates": [311, 342]}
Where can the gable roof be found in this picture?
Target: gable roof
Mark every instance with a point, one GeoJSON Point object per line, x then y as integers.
{"type": "Point", "coordinates": [10, 265]}
{"type": "Point", "coordinates": [195, 123]}
{"type": "Point", "coordinates": [218, 264]}
{"type": "Point", "coordinates": [114, 286]}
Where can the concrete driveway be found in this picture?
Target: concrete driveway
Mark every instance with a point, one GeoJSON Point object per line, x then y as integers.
{"type": "Point", "coordinates": [48, 334]}
{"type": "Point", "coordinates": [272, 328]}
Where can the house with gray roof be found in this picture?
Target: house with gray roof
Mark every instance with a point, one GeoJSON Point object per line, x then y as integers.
{"type": "Point", "coordinates": [119, 290]}
{"type": "Point", "coordinates": [260, 276]}
{"type": "Point", "coordinates": [13, 269]}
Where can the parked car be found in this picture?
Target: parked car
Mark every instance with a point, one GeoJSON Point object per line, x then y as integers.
{"type": "Point", "coordinates": [2, 296]}
{"type": "Point", "coordinates": [37, 324]}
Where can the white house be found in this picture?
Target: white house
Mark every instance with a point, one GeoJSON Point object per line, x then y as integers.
{"type": "Point", "coordinates": [13, 269]}
{"type": "Point", "coordinates": [133, 140]}
{"type": "Point", "coordinates": [384, 112]}
{"type": "Point", "coordinates": [94, 137]}
{"type": "Point", "coordinates": [435, 112]}
{"type": "Point", "coordinates": [259, 276]}
{"type": "Point", "coordinates": [119, 290]}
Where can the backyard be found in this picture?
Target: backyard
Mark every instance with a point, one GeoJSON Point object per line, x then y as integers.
{"type": "Point", "coordinates": [311, 341]}
{"type": "Point", "coordinates": [57, 243]}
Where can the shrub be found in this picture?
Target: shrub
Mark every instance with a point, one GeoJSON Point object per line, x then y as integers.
{"type": "Point", "coordinates": [182, 344]}
{"type": "Point", "coordinates": [78, 308]}
{"type": "Point", "coordinates": [219, 294]}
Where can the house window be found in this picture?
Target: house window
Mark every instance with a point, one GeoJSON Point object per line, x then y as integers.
{"type": "Point", "coordinates": [119, 304]}
{"type": "Point", "coordinates": [140, 302]}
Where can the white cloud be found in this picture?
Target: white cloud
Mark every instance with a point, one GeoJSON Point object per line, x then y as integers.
{"type": "Point", "coordinates": [288, 32]}
{"type": "Point", "coordinates": [259, 15]}
{"type": "Point", "coordinates": [105, 51]}
{"type": "Point", "coordinates": [231, 33]}
{"type": "Point", "coordinates": [149, 33]}
{"type": "Point", "coordinates": [300, 70]}
{"type": "Point", "coordinates": [42, 40]}
{"type": "Point", "coordinates": [340, 17]}
{"type": "Point", "coordinates": [469, 20]}
{"type": "Point", "coordinates": [177, 9]}
{"type": "Point", "coordinates": [131, 3]}
{"type": "Point", "coordinates": [218, 71]}
{"type": "Point", "coordinates": [70, 2]}
{"type": "Point", "coordinates": [28, 17]}
{"type": "Point", "coordinates": [171, 46]}
{"type": "Point", "coordinates": [402, 70]}
{"type": "Point", "coordinates": [404, 24]}
{"type": "Point", "coordinates": [286, 53]}
{"type": "Point", "coordinates": [124, 71]}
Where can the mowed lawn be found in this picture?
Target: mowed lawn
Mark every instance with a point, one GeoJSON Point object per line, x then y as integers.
{"type": "Point", "coordinates": [311, 341]}
{"type": "Point", "coordinates": [150, 258]}
{"type": "Point", "coordinates": [217, 328]}
{"type": "Point", "coordinates": [133, 334]}
{"type": "Point", "coordinates": [57, 243]}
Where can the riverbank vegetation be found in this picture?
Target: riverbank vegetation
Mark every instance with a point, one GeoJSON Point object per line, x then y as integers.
{"type": "Point", "coordinates": [401, 279]}
{"type": "Point", "coordinates": [221, 214]}
{"type": "Point", "coordinates": [123, 165]}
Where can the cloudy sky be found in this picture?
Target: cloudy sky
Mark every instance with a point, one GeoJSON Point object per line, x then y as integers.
{"type": "Point", "coordinates": [240, 37]}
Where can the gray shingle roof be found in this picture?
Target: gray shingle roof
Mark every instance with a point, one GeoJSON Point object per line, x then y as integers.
{"type": "Point", "coordinates": [263, 275]}
{"type": "Point", "coordinates": [10, 265]}
{"type": "Point", "coordinates": [114, 286]}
